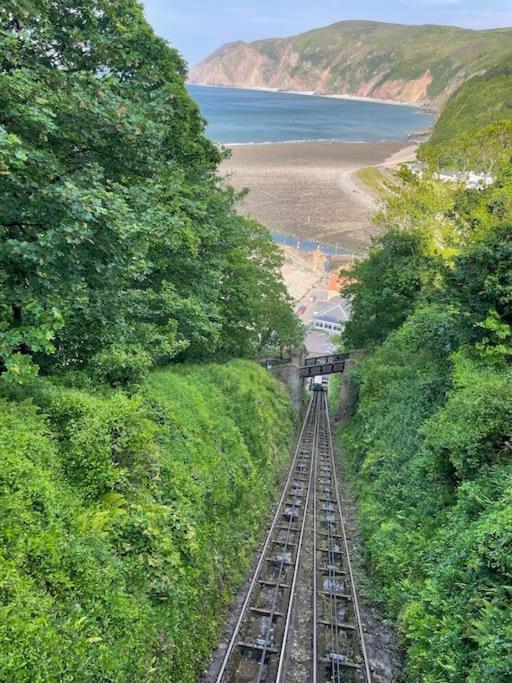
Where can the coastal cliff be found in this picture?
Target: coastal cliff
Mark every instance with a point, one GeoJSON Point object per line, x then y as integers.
{"type": "Point", "coordinates": [417, 64]}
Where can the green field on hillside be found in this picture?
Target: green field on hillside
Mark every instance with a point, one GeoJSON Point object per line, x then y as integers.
{"type": "Point", "coordinates": [373, 178]}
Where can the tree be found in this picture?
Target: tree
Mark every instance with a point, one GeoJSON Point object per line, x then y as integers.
{"type": "Point", "coordinates": [256, 310]}
{"type": "Point", "coordinates": [480, 286]}
{"type": "Point", "coordinates": [114, 226]}
{"type": "Point", "coordinates": [385, 287]}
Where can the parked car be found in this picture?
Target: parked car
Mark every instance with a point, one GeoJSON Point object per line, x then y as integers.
{"type": "Point", "coordinates": [301, 310]}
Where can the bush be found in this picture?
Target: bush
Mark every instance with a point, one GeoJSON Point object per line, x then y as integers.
{"type": "Point", "coordinates": [128, 521]}
{"type": "Point", "coordinates": [119, 366]}
{"type": "Point", "coordinates": [386, 287]}
{"type": "Point", "coordinates": [429, 450]}
{"type": "Point", "coordinates": [474, 428]}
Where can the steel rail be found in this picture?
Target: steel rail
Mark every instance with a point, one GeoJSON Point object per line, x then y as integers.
{"type": "Point", "coordinates": [327, 491]}
{"type": "Point", "coordinates": [263, 556]}
{"type": "Point", "coordinates": [311, 482]}
{"type": "Point", "coordinates": [314, 452]}
{"type": "Point", "coordinates": [275, 598]}
{"type": "Point", "coordinates": [315, 569]}
{"type": "Point", "coordinates": [357, 612]}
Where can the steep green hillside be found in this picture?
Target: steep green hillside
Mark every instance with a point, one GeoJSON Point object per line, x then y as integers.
{"type": "Point", "coordinates": [414, 63]}
{"type": "Point", "coordinates": [479, 102]}
{"type": "Point", "coordinates": [129, 506]}
{"type": "Point", "coordinates": [430, 444]}
{"type": "Point", "coordinates": [127, 520]}
{"type": "Point", "coordinates": [396, 52]}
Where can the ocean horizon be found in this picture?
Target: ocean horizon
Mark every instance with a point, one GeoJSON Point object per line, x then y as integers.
{"type": "Point", "coordinates": [239, 116]}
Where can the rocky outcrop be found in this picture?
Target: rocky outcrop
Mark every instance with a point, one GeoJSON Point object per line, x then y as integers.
{"type": "Point", "coordinates": [417, 64]}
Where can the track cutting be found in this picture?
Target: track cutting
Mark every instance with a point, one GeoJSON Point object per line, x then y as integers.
{"type": "Point", "coordinates": [308, 517]}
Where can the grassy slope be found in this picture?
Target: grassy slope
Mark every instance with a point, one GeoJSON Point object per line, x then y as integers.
{"type": "Point", "coordinates": [357, 51]}
{"type": "Point", "coordinates": [373, 178]}
{"type": "Point", "coordinates": [128, 520]}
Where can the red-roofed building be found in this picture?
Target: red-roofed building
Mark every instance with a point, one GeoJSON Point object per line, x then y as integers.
{"type": "Point", "coordinates": [337, 282]}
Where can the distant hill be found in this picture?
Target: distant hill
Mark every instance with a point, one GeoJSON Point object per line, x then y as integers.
{"type": "Point", "coordinates": [420, 64]}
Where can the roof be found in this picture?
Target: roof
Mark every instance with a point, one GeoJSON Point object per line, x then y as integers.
{"type": "Point", "coordinates": [334, 283]}
{"type": "Point", "coordinates": [331, 311]}
{"type": "Point", "coordinates": [338, 281]}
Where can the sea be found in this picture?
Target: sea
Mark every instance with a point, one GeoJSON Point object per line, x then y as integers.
{"type": "Point", "coordinates": [241, 116]}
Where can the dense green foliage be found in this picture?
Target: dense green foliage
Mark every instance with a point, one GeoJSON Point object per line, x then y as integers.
{"type": "Point", "coordinates": [127, 520]}
{"type": "Point", "coordinates": [115, 231]}
{"type": "Point", "coordinates": [392, 277]}
{"type": "Point", "coordinates": [429, 446]}
{"type": "Point", "coordinates": [474, 130]}
{"type": "Point", "coordinates": [483, 150]}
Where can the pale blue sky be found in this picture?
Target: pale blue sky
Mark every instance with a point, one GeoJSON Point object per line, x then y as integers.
{"type": "Point", "coordinates": [197, 27]}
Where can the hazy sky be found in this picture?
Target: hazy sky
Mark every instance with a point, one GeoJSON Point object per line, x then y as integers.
{"type": "Point", "coordinates": [197, 27]}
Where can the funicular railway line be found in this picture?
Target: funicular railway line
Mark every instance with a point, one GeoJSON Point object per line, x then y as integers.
{"type": "Point", "coordinates": [308, 516]}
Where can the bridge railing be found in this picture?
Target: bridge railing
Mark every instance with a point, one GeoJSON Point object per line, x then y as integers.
{"type": "Point", "coordinates": [328, 358]}
{"type": "Point", "coordinates": [324, 365]}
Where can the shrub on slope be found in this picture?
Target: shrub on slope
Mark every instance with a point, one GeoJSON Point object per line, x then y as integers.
{"type": "Point", "coordinates": [434, 483]}
{"type": "Point", "coordinates": [128, 520]}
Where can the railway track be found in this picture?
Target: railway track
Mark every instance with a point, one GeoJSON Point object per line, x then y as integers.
{"type": "Point", "coordinates": [308, 520]}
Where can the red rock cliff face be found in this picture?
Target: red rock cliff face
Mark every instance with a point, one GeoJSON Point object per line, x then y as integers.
{"type": "Point", "coordinates": [241, 65]}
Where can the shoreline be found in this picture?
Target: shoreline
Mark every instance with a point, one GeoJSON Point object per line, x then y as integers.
{"type": "Point", "coordinates": [332, 96]}
{"type": "Point", "coordinates": [323, 141]}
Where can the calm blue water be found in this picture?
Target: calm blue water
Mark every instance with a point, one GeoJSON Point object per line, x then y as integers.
{"type": "Point", "coordinates": [242, 116]}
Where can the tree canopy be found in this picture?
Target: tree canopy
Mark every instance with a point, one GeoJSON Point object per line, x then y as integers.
{"type": "Point", "coordinates": [116, 231]}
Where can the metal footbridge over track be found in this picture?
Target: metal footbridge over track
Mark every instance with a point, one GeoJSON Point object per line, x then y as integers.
{"type": "Point", "coordinates": [324, 365]}
{"type": "Point", "coordinates": [301, 608]}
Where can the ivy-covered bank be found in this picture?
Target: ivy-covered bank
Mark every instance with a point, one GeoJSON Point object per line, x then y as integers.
{"type": "Point", "coordinates": [127, 520]}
